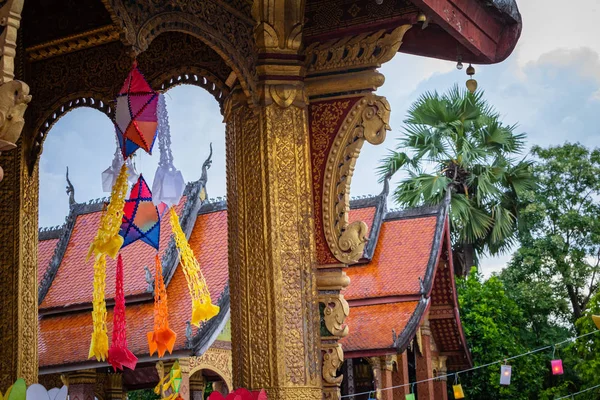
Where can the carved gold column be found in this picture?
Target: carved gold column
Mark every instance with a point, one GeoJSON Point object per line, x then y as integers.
{"type": "Point", "coordinates": [375, 363]}
{"type": "Point", "coordinates": [270, 217]}
{"type": "Point", "coordinates": [113, 387]}
{"type": "Point", "coordinates": [82, 384]}
{"type": "Point", "coordinates": [343, 114]}
{"type": "Point", "coordinates": [18, 218]}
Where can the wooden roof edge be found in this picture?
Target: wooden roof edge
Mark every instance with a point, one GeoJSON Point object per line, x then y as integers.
{"type": "Point", "coordinates": [402, 341]}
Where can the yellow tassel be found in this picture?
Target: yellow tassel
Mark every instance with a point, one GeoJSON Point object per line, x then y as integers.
{"type": "Point", "coordinates": [107, 242]}
{"type": "Point", "coordinates": [99, 345]}
{"type": "Point", "coordinates": [202, 307]}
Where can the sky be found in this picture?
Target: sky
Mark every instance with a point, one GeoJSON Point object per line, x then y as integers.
{"type": "Point", "coordinates": [549, 86]}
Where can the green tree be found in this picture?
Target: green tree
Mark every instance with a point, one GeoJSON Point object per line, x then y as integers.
{"type": "Point", "coordinates": [142, 394]}
{"type": "Point", "coordinates": [456, 144]}
{"type": "Point", "coordinates": [560, 233]}
{"type": "Point", "coordinates": [496, 328]}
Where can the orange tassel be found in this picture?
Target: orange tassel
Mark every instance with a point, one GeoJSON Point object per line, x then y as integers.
{"type": "Point", "coordinates": [161, 339]}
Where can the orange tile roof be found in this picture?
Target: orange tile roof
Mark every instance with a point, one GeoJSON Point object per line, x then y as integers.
{"type": "Point", "coordinates": [74, 278]}
{"type": "Point", "coordinates": [371, 326]}
{"type": "Point", "coordinates": [45, 253]}
{"type": "Point", "coordinates": [72, 331]}
{"type": "Point", "coordinates": [401, 257]}
{"type": "Point", "coordinates": [366, 214]}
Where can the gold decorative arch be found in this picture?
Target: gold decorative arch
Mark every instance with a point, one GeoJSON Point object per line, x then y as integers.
{"type": "Point", "coordinates": [368, 120]}
{"type": "Point", "coordinates": [216, 360]}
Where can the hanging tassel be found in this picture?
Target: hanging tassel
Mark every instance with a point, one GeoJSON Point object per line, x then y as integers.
{"type": "Point", "coordinates": [161, 339]}
{"type": "Point", "coordinates": [202, 307]}
{"type": "Point", "coordinates": [119, 355]}
{"type": "Point", "coordinates": [99, 345]}
{"type": "Point", "coordinates": [107, 242]}
{"type": "Point", "coordinates": [168, 185]}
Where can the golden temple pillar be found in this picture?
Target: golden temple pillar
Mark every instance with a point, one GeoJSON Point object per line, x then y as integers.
{"type": "Point", "coordinates": [343, 113]}
{"type": "Point", "coordinates": [18, 218]}
{"type": "Point", "coordinates": [274, 316]}
{"type": "Point", "coordinates": [271, 247]}
{"type": "Point", "coordinates": [113, 387]}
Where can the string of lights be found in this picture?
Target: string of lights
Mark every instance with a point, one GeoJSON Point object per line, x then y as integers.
{"type": "Point", "coordinates": [556, 369]}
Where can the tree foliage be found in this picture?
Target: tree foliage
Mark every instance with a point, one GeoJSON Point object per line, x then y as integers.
{"type": "Point", "coordinates": [455, 142]}
{"type": "Point", "coordinates": [560, 232]}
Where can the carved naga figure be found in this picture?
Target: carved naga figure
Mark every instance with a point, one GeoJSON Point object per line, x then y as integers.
{"type": "Point", "coordinates": [14, 97]}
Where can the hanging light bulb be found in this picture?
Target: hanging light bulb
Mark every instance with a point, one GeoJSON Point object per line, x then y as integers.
{"type": "Point", "coordinates": [557, 367]}
{"type": "Point", "coordinates": [471, 83]}
{"type": "Point", "coordinates": [457, 389]}
{"type": "Point", "coordinates": [505, 375]}
{"type": "Point", "coordinates": [379, 2]}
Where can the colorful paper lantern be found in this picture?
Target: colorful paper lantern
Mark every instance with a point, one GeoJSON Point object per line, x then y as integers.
{"type": "Point", "coordinates": [458, 391]}
{"type": "Point", "coordinates": [505, 375]}
{"type": "Point", "coordinates": [596, 319]}
{"type": "Point", "coordinates": [135, 114]}
{"type": "Point", "coordinates": [410, 396]}
{"type": "Point", "coordinates": [557, 367]}
{"type": "Point", "coordinates": [141, 218]}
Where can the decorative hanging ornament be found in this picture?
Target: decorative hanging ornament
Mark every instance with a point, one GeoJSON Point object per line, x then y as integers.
{"type": "Point", "coordinates": [471, 83]}
{"type": "Point", "coordinates": [141, 218]}
{"type": "Point", "coordinates": [168, 185]}
{"type": "Point", "coordinates": [557, 367]}
{"type": "Point", "coordinates": [505, 375]}
{"type": "Point", "coordinates": [107, 242]}
{"type": "Point", "coordinates": [119, 355]}
{"type": "Point", "coordinates": [161, 339]}
{"type": "Point", "coordinates": [457, 388]}
{"type": "Point", "coordinates": [596, 319]}
{"type": "Point", "coordinates": [202, 307]}
{"type": "Point", "coordinates": [135, 114]}
{"type": "Point", "coordinates": [109, 176]}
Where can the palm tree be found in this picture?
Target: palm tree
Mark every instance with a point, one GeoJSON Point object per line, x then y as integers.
{"type": "Point", "coordinates": [456, 145]}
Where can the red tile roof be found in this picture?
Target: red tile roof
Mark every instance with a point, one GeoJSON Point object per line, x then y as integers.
{"type": "Point", "coordinates": [45, 253]}
{"type": "Point", "coordinates": [401, 257]}
{"type": "Point", "coordinates": [371, 326]}
{"type": "Point", "coordinates": [72, 331]}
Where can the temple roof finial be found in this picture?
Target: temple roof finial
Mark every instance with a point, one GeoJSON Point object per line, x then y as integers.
{"type": "Point", "coordinates": [206, 166]}
{"type": "Point", "coordinates": [70, 190]}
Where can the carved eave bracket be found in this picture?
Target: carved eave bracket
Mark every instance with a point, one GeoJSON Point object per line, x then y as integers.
{"type": "Point", "coordinates": [368, 120]}
{"type": "Point", "coordinates": [349, 64]}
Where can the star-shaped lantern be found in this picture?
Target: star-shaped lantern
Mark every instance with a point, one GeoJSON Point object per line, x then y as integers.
{"type": "Point", "coordinates": [141, 218]}
{"type": "Point", "coordinates": [135, 114]}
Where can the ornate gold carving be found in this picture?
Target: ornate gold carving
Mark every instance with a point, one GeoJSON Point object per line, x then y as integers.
{"type": "Point", "coordinates": [335, 313]}
{"type": "Point", "coordinates": [368, 120]}
{"type": "Point", "coordinates": [332, 279]}
{"type": "Point", "coordinates": [216, 360]}
{"type": "Point", "coordinates": [439, 365]}
{"type": "Point", "coordinates": [223, 28]}
{"type": "Point", "coordinates": [95, 37]}
{"type": "Point", "coordinates": [363, 50]}
{"type": "Point", "coordinates": [271, 250]}
{"type": "Point", "coordinates": [279, 25]}
{"type": "Point", "coordinates": [14, 97]}
{"type": "Point", "coordinates": [389, 361]}
{"type": "Point", "coordinates": [85, 376]}
{"type": "Point", "coordinates": [333, 358]}
{"type": "Point", "coordinates": [18, 263]}
{"type": "Point", "coordinates": [10, 19]}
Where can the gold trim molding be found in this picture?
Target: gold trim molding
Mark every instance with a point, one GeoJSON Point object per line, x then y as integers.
{"type": "Point", "coordinates": [216, 360]}
{"type": "Point", "coordinates": [364, 50]}
{"type": "Point", "coordinates": [70, 44]}
{"type": "Point", "coordinates": [368, 120]}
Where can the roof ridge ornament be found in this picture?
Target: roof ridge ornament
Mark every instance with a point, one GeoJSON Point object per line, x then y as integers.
{"type": "Point", "coordinates": [70, 190]}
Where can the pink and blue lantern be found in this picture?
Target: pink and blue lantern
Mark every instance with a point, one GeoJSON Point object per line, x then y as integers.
{"type": "Point", "coordinates": [141, 218]}
{"type": "Point", "coordinates": [135, 114]}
